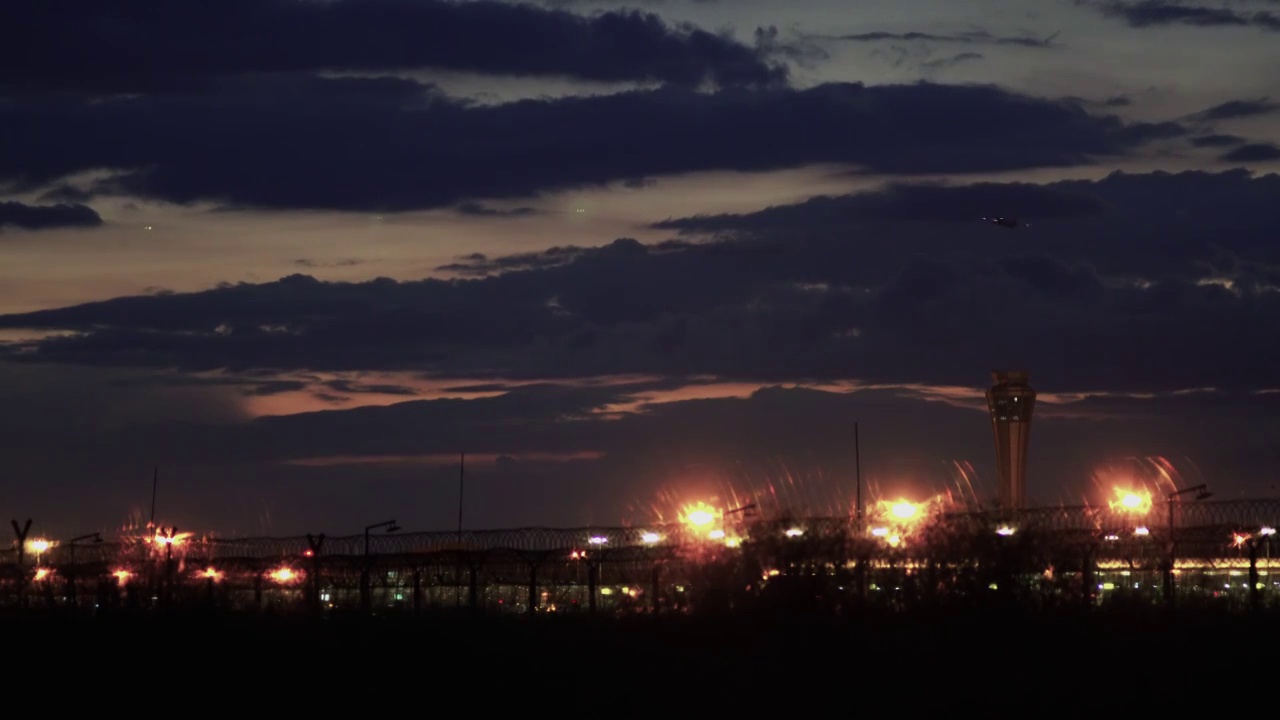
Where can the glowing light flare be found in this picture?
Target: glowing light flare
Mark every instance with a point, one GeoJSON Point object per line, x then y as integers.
{"type": "Point", "coordinates": [1135, 502]}
{"type": "Point", "coordinates": [794, 532]}
{"type": "Point", "coordinates": [598, 540]}
{"type": "Point", "coordinates": [177, 540]}
{"type": "Point", "coordinates": [284, 575]}
{"type": "Point", "coordinates": [1006, 530]}
{"type": "Point", "coordinates": [122, 576]}
{"type": "Point", "coordinates": [1141, 531]}
{"type": "Point", "coordinates": [903, 510]}
{"type": "Point", "coordinates": [897, 520]}
{"type": "Point", "coordinates": [39, 546]}
{"type": "Point", "coordinates": [1240, 539]}
{"type": "Point", "coordinates": [211, 574]}
{"type": "Point", "coordinates": [716, 534]}
{"type": "Point", "coordinates": [42, 573]}
{"type": "Point", "coordinates": [699, 515]}
{"type": "Point", "coordinates": [1267, 531]}
{"type": "Point", "coordinates": [650, 538]}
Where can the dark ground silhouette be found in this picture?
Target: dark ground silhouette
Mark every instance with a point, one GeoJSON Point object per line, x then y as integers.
{"type": "Point", "coordinates": [950, 661]}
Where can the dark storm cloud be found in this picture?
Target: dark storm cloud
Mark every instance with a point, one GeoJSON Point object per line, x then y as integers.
{"type": "Point", "coordinates": [948, 62]}
{"type": "Point", "coordinates": [388, 144]}
{"type": "Point", "coordinates": [1237, 109]}
{"type": "Point", "coordinates": [247, 386]}
{"type": "Point", "coordinates": [66, 194]}
{"type": "Point", "coordinates": [158, 46]}
{"type": "Point", "coordinates": [1217, 140]}
{"type": "Point", "coordinates": [797, 48]}
{"type": "Point", "coordinates": [351, 388]}
{"type": "Point", "coordinates": [944, 203]}
{"type": "Point", "coordinates": [46, 217]}
{"type": "Point", "coordinates": [477, 210]}
{"type": "Point", "coordinates": [1188, 226]}
{"type": "Point", "coordinates": [972, 37]}
{"type": "Point", "coordinates": [1154, 13]}
{"type": "Point", "coordinates": [1113, 279]}
{"type": "Point", "coordinates": [1255, 152]}
{"type": "Point", "coordinates": [481, 264]}
{"type": "Point", "coordinates": [309, 263]}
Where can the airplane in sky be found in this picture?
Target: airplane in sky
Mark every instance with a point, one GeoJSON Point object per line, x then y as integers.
{"type": "Point", "coordinates": [1008, 222]}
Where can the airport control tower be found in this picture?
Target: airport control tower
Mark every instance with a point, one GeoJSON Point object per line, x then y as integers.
{"type": "Point", "coordinates": [1011, 401]}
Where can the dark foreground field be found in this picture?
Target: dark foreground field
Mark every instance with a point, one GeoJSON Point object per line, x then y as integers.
{"type": "Point", "coordinates": [455, 664]}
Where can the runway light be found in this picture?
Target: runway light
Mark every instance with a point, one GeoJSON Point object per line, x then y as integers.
{"type": "Point", "coordinates": [905, 510]}
{"type": "Point", "coordinates": [284, 575]}
{"type": "Point", "coordinates": [1128, 501]}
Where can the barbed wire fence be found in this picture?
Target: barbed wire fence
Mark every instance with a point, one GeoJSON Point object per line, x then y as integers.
{"type": "Point", "coordinates": [1174, 553]}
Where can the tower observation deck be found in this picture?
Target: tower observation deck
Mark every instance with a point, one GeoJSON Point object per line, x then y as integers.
{"type": "Point", "coordinates": [1011, 401]}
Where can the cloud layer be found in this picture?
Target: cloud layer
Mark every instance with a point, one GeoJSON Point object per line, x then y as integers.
{"type": "Point", "coordinates": [45, 217]}
{"type": "Point", "coordinates": [157, 46]}
{"type": "Point", "coordinates": [1112, 277]}
{"type": "Point", "coordinates": [387, 144]}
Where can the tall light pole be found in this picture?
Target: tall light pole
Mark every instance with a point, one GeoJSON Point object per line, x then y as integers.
{"type": "Point", "coordinates": [155, 484]}
{"type": "Point", "coordinates": [365, 594]}
{"type": "Point", "coordinates": [462, 476]}
{"type": "Point", "coordinates": [857, 475]}
{"type": "Point", "coordinates": [1202, 493]}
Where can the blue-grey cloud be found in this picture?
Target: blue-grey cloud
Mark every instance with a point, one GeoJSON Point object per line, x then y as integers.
{"type": "Point", "coordinates": [1217, 140]}
{"type": "Point", "coordinates": [1155, 13]}
{"type": "Point", "coordinates": [1112, 276]}
{"type": "Point", "coordinates": [1237, 109]}
{"type": "Point", "coordinates": [1254, 152]}
{"type": "Point", "coordinates": [971, 37]}
{"type": "Point", "coordinates": [157, 46]}
{"type": "Point", "coordinates": [388, 144]}
{"type": "Point", "coordinates": [46, 217]}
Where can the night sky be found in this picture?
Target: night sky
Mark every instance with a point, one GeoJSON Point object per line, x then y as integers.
{"type": "Point", "coordinates": [300, 254]}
